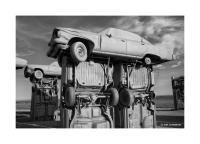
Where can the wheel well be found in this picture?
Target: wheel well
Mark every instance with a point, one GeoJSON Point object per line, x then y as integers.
{"type": "Point", "coordinates": [39, 69]}
{"type": "Point", "coordinates": [89, 44]}
{"type": "Point", "coordinates": [154, 58]}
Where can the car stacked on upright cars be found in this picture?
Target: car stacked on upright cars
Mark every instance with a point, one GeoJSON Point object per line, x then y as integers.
{"type": "Point", "coordinates": [105, 75]}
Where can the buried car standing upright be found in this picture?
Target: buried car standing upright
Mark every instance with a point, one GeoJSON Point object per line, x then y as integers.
{"type": "Point", "coordinates": [44, 97]}
{"type": "Point", "coordinates": [111, 42]}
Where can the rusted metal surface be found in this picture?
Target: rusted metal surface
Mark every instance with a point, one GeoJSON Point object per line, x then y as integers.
{"type": "Point", "coordinates": [43, 104]}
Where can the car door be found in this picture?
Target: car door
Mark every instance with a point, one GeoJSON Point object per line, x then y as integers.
{"type": "Point", "coordinates": [136, 47]}
{"type": "Point", "coordinates": [111, 44]}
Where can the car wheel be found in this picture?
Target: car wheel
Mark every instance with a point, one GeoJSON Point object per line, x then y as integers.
{"type": "Point", "coordinates": [147, 60]}
{"type": "Point", "coordinates": [78, 52]}
{"type": "Point", "coordinates": [126, 98]}
{"type": "Point", "coordinates": [114, 96]}
{"type": "Point", "coordinates": [38, 74]}
{"type": "Point", "coordinates": [69, 96]}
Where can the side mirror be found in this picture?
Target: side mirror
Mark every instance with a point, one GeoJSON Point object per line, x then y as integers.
{"type": "Point", "coordinates": [108, 35]}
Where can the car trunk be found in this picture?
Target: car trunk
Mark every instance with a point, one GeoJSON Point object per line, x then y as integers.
{"type": "Point", "coordinates": [138, 78]}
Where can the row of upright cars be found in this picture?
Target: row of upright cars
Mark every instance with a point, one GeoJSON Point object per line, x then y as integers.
{"type": "Point", "coordinates": [106, 78]}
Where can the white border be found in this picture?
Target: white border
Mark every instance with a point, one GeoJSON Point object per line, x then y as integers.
{"type": "Point", "coordinates": [9, 9]}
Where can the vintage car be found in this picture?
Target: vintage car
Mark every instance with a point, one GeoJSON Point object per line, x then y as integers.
{"type": "Point", "coordinates": [89, 94]}
{"type": "Point", "coordinates": [91, 81]}
{"type": "Point", "coordinates": [20, 63]}
{"type": "Point", "coordinates": [136, 98]}
{"type": "Point", "coordinates": [111, 42]}
{"type": "Point", "coordinates": [38, 71]}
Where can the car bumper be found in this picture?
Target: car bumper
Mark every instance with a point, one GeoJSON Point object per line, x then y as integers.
{"type": "Point", "coordinates": [55, 48]}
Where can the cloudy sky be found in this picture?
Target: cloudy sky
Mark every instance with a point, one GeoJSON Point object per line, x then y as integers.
{"type": "Point", "coordinates": [33, 34]}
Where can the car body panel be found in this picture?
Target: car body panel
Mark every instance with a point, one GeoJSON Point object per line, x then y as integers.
{"type": "Point", "coordinates": [90, 74]}
{"type": "Point", "coordinates": [113, 45]}
{"type": "Point", "coordinates": [133, 46]}
{"type": "Point", "coordinates": [69, 33]}
{"type": "Point", "coordinates": [47, 69]}
{"type": "Point", "coordinates": [90, 117]}
{"type": "Point", "coordinates": [138, 78]}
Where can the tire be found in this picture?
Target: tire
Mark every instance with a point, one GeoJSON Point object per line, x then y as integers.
{"type": "Point", "coordinates": [38, 74]}
{"type": "Point", "coordinates": [114, 96]}
{"type": "Point", "coordinates": [69, 96]}
{"type": "Point", "coordinates": [31, 79]}
{"type": "Point", "coordinates": [126, 98]}
{"type": "Point", "coordinates": [147, 60]}
{"type": "Point", "coordinates": [78, 52]}
{"type": "Point", "coordinates": [26, 73]}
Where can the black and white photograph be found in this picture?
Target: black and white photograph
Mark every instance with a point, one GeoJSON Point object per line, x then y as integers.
{"type": "Point", "coordinates": [123, 72]}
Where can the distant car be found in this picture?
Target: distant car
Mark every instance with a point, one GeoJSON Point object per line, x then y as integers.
{"type": "Point", "coordinates": [38, 71]}
{"type": "Point", "coordinates": [111, 42]}
{"type": "Point", "coordinates": [20, 63]}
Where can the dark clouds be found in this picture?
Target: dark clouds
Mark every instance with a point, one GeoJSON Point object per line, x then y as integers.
{"type": "Point", "coordinates": [163, 31]}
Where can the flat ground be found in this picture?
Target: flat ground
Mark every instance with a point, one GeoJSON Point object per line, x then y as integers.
{"type": "Point", "coordinates": [166, 116]}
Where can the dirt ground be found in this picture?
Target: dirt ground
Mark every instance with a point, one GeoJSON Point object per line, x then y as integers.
{"type": "Point", "coordinates": [166, 117]}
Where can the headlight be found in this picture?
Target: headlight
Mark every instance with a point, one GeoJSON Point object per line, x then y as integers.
{"type": "Point", "coordinates": [38, 74]}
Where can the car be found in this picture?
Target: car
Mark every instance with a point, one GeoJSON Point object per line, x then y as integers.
{"type": "Point", "coordinates": [136, 96]}
{"type": "Point", "coordinates": [88, 92]}
{"type": "Point", "coordinates": [111, 42]}
{"type": "Point", "coordinates": [91, 81]}
{"type": "Point", "coordinates": [38, 71]}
